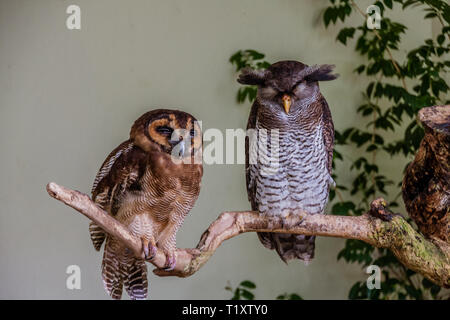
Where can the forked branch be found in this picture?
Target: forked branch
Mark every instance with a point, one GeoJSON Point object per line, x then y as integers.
{"type": "Point", "coordinates": [377, 227]}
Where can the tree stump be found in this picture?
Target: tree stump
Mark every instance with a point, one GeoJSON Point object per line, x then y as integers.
{"type": "Point", "coordinates": [426, 184]}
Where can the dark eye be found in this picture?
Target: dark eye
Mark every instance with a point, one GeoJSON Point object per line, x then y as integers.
{"type": "Point", "coordinates": [165, 130]}
{"type": "Point", "coordinates": [192, 133]}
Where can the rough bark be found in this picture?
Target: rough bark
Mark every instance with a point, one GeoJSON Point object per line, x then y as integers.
{"type": "Point", "coordinates": [378, 227]}
{"type": "Point", "coordinates": [426, 184]}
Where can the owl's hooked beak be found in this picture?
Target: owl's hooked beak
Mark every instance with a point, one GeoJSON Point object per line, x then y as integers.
{"type": "Point", "coordinates": [178, 146]}
{"type": "Point", "coordinates": [286, 103]}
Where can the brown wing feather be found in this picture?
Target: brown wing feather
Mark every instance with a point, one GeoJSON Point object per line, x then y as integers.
{"type": "Point", "coordinates": [121, 169]}
{"type": "Point", "coordinates": [109, 162]}
{"type": "Point", "coordinates": [328, 132]}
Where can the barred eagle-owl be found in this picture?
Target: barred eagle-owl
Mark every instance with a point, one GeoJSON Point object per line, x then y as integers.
{"type": "Point", "coordinates": [294, 172]}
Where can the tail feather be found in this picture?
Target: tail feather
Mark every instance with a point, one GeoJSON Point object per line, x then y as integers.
{"type": "Point", "coordinates": [289, 246]}
{"type": "Point", "coordinates": [97, 235]}
{"type": "Point", "coordinates": [121, 268]}
{"type": "Point", "coordinates": [136, 280]}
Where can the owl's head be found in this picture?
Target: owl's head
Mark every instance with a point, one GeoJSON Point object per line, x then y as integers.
{"type": "Point", "coordinates": [171, 131]}
{"type": "Point", "coordinates": [287, 83]}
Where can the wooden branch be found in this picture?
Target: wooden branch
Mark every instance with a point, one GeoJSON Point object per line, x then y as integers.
{"type": "Point", "coordinates": [378, 227]}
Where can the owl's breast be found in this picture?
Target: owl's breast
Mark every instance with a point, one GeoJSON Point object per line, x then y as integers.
{"type": "Point", "coordinates": [307, 175]}
{"type": "Point", "coordinates": [293, 175]}
{"type": "Point", "coordinates": [165, 196]}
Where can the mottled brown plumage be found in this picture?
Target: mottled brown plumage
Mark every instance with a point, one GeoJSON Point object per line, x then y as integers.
{"type": "Point", "coordinates": [426, 183]}
{"type": "Point", "coordinates": [297, 175]}
{"type": "Point", "coordinates": [149, 183]}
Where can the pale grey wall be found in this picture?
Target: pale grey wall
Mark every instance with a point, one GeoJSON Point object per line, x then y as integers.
{"type": "Point", "coordinates": [67, 98]}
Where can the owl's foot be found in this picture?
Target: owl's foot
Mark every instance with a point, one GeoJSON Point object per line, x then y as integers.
{"type": "Point", "coordinates": [290, 221]}
{"type": "Point", "coordinates": [149, 248]}
{"type": "Point", "coordinates": [171, 261]}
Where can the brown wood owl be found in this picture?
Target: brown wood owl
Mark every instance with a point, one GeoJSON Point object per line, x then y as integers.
{"type": "Point", "coordinates": [149, 183]}
{"type": "Point", "coordinates": [288, 168]}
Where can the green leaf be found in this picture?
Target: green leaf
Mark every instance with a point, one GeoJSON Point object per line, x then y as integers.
{"type": "Point", "coordinates": [360, 69]}
{"type": "Point", "coordinates": [370, 89]}
{"type": "Point", "coordinates": [345, 34]}
{"type": "Point", "coordinates": [356, 251]}
{"type": "Point", "coordinates": [255, 54]}
{"type": "Point", "coordinates": [371, 147]}
{"type": "Point", "coordinates": [360, 137]}
{"type": "Point", "coordinates": [388, 3]}
{"type": "Point", "coordinates": [327, 16]}
{"type": "Point", "coordinates": [357, 291]}
{"type": "Point", "coordinates": [247, 294]}
{"type": "Point", "coordinates": [236, 295]}
{"type": "Point", "coordinates": [248, 284]}
{"type": "Point", "coordinates": [343, 208]}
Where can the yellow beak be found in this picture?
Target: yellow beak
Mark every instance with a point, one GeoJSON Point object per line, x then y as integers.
{"type": "Point", "coordinates": [286, 103]}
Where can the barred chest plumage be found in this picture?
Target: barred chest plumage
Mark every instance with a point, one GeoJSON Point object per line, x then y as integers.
{"type": "Point", "coordinates": [166, 198]}
{"type": "Point", "coordinates": [291, 174]}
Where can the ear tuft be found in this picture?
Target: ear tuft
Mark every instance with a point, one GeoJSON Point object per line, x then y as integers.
{"type": "Point", "coordinates": [321, 73]}
{"type": "Point", "coordinates": [252, 77]}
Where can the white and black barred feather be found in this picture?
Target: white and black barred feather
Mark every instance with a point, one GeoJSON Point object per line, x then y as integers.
{"type": "Point", "coordinates": [121, 269]}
